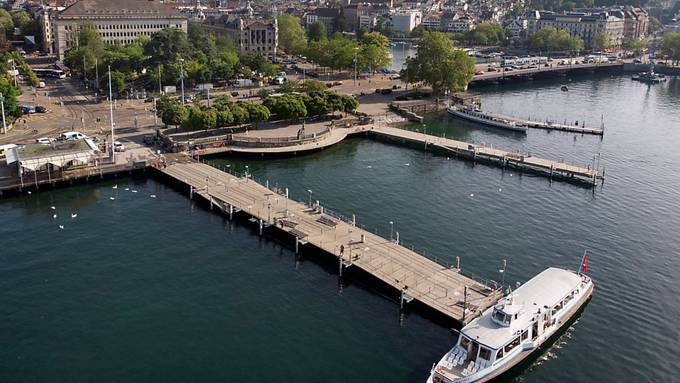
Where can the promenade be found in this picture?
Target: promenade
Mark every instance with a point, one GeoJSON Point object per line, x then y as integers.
{"type": "Point", "coordinates": [415, 277]}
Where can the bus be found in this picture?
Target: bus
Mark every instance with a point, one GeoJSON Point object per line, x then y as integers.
{"type": "Point", "coordinates": [53, 73]}
{"type": "Point", "coordinates": [523, 61]}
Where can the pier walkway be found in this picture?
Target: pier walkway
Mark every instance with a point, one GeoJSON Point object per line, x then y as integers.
{"type": "Point", "coordinates": [550, 125]}
{"type": "Point", "coordinates": [412, 275]}
{"type": "Point", "coordinates": [480, 152]}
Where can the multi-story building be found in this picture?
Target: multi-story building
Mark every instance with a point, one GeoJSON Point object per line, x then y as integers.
{"type": "Point", "coordinates": [118, 22]}
{"type": "Point", "coordinates": [585, 25]}
{"type": "Point", "coordinates": [405, 21]}
{"type": "Point", "coordinates": [516, 28]}
{"type": "Point", "coordinates": [328, 16]}
{"type": "Point", "coordinates": [250, 35]}
{"type": "Point", "coordinates": [460, 24]}
{"type": "Point", "coordinates": [635, 23]}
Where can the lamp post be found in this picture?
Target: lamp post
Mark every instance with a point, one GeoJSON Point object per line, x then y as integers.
{"type": "Point", "coordinates": [2, 105]}
{"type": "Point", "coordinates": [355, 65]}
{"type": "Point", "coordinates": [181, 76]}
{"type": "Point", "coordinates": [113, 150]}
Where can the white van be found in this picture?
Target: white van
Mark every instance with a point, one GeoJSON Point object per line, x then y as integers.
{"type": "Point", "coordinates": [68, 136]}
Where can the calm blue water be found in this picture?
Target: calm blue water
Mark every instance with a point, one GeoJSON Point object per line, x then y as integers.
{"type": "Point", "coordinates": [158, 289]}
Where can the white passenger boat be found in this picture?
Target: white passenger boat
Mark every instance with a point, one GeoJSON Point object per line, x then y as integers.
{"type": "Point", "coordinates": [476, 115]}
{"type": "Point", "coordinates": [508, 333]}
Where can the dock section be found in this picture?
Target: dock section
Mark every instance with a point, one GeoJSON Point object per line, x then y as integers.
{"type": "Point", "coordinates": [415, 277]}
{"type": "Point", "coordinates": [516, 160]}
{"type": "Point", "coordinates": [552, 125]}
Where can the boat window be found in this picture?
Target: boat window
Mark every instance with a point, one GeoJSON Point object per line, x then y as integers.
{"type": "Point", "coordinates": [499, 354]}
{"type": "Point", "coordinates": [525, 335]}
{"type": "Point", "coordinates": [485, 353]}
{"type": "Point", "coordinates": [509, 347]}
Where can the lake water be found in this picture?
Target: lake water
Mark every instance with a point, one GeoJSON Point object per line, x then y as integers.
{"type": "Point", "coordinates": [159, 289]}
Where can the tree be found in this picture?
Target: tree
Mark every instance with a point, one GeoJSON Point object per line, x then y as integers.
{"type": "Point", "coordinates": [9, 94]}
{"type": "Point", "coordinates": [637, 46]}
{"type": "Point", "coordinates": [316, 105]}
{"type": "Point", "coordinates": [373, 57]}
{"type": "Point", "coordinates": [193, 120]}
{"type": "Point", "coordinates": [602, 41]}
{"type": "Point", "coordinates": [21, 19]}
{"type": "Point", "coordinates": [258, 63]}
{"type": "Point", "coordinates": [117, 82]}
{"type": "Point", "coordinates": [670, 46]}
{"type": "Point", "coordinates": [310, 86]}
{"type": "Point", "coordinates": [317, 31]}
{"type": "Point", "coordinates": [417, 32]}
{"type": "Point", "coordinates": [240, 113]}
{"type": "Point", "coordinates": [291, 34]}
{"type": "Point", "coordinates": [439, 65]}
{"type": "Point", "coordinates": [171, 112]}
{"type": "Point", "coordinates": [167, 45]}
{"type": "Point", "coordinates": [257, 113]}
{"type": "Point", "coordinates": [286, 107]}
{"type": "Point", "coordinates": [550, 39]}
{"type": "Point", "coordinates": [485, 34]}
{"type": "Point", "coordinates": [653, 25]}
{"type": "Point", "coordinates": [208, 118]}
{"type": "Point", "coordinates": [6, 21]}
{"type": "Point", "coordinates": [224, 118]}
{"type": "Point", "coordinates": [349, 103]}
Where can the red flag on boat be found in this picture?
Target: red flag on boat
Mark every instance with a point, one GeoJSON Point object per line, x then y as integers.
{"type": "Point", "coordinates": [584, 263]}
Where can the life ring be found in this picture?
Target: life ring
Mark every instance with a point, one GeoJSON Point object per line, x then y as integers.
{"type": "Point", "coordinates": [439, 368]}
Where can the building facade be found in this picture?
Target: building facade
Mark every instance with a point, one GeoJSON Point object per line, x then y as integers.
{"type": "Point", "coordinates": [584, 25]}
{"type": "Point", "coordinates": [405, 21]}
{"type": "Point", "coordinates": [635, 24]}
{"type": "Point", "coordinates": [250, 35]}
{"type": "Point", "coordinates": [118, 22]}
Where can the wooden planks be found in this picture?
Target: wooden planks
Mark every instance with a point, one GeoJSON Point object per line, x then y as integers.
{"type": "Point", "coordinates": [416, 276]}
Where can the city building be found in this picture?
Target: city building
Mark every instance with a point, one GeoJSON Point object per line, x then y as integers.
{"type": "Point", "coordinates": [250, 35]}
{"type": "Point", "coordinates": [328, 16]}
{"type": "Point", "coordinates": [635, 23]}
{"type": "Point", "coordinates": [586, 25]}
{"type": "Point", "coordinates": [516, 28]}
{"type": "Point", "coordinates": [405, 21]}
{"type": "Point", "coordinates": [118, 22]}
{"type": "Point", "coordinates": [461, 24]}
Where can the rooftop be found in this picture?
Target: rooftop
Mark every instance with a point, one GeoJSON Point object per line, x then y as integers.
{"type": "Point", "coordinates": [131, 8]}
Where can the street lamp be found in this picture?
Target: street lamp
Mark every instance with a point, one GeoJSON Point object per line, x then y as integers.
{"type": "Point", "coordinates": [181, 76]}
{"type": "Point", "coordinates": [2, 105]}
{"type": "Point", "coordinates": [310, 197]}
{"type": "Point", "coordinates": [355, 65]}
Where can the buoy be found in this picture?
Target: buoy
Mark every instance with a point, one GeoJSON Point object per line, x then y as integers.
{"type": "Point", "coordinates": [61, 227]}
{"type": "Point", "coordinates": [134, 191]}
{"type": "Point", "coordinates": [54, 216]}
{"type": "Point", "coordinates": [472, 194]}
{"type": "Point", "coordinates": [126, 189]}
{"type": "Point", "coordinates": [114, 187]}
{"type": "Point", "coordinates": [112, 198]}
{"type": "Point", "coordinates": [152, 196]}
{"type": "Point", "coordinates": [53, 208]}
{"type": "Point", "coordinates": [73, 215]}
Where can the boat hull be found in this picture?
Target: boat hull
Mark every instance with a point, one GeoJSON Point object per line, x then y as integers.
{"type": "Point", "coordinates": [495, 124]}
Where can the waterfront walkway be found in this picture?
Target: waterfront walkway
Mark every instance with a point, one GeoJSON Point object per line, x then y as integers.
{"type": "Point", "coordinates": [480, 152]}
{"type": "Point", "coordinates": [412, 275]}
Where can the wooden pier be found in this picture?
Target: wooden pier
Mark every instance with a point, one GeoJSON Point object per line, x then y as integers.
{"type": "Point", "coordinates": [476, 152]}
{"type": "Point", "coordinates": [550, 125]}
{"type": "Point", "coordinates": [413, 276]}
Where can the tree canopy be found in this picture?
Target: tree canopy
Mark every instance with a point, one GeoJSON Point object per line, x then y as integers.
{"type": "Point", "coordinates": [485, 34]}
{"type": "Point", "coordinates": [550, 39]}
{"type": "Point", "coordinates": [670, 46]}
{"type": "Point", "coordinates": [339, 52]}
{"type": "Point", "coordinates": [292, 37]}
{"type": "Point", "coordinates": [602, 41]}
{"type": "Point", "coordinates": [317, 31]}
{"type": "Point", "coordinates": [439, 65]}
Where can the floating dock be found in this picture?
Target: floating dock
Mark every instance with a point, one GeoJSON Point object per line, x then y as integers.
{"type": "Point", "coordinates": [515, 160]}
{"type": "Point", "coordinates": [415, 277]}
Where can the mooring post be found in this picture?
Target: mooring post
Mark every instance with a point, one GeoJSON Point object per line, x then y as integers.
{"type": "Point", "coordinates": [363, 238]}
{"type": "Point", "coordinates": [231, 212]}
{"type": "Point", "coordinates": [401, 300]}
{"type": "Point", "coordinates": [458, 263]}
{"type": "Point", "coordinates": [354, 220]}
{"type": "Point", "coordinates": [286, 192]}
{"type": "Point", "coordinates": [211, 201]}
{"type": "Point", "coordinates": [552, 168]}
{"type": "Point", "coordinates": [340, 266]}
{"type": "Point", "coordinates": [267, 184]}
{"type": "Point", "coordinates": [191, 192]}
{"type": "Point", "coordinates": [397, 240]}
{"type": "Point", "coordinates": [261, 227]}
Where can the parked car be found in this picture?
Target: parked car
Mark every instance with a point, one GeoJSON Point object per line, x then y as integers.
{"type": "Point", "coordinates": [27, 109]}
{"type": "Point", "coordinates": [234, 94]}
{"type": "Point", "coordinates": [44, 140]}
{"type": "Point", "coordinates": [148, 99]}
{"type": "Point", "coordinates": [118, 146]}
{"type": "Point", "coordinates": [68, 136]}
{"type": "Point", "coordinates": [41, 109]}
{"type": "Point", "coordinates": [386, 91]}
{"type": "Point", "coordinates": [478, 73]}
{"type": "Point", "coordinates": [490, 69]}
{"type": "Point", "coordinates": [337, 83]}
